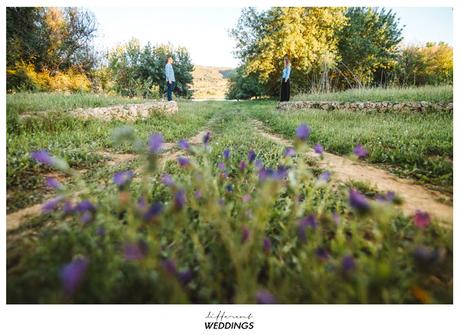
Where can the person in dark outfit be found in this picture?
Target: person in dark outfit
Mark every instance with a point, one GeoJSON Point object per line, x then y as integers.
{"type": "Point", "coordinates": [170, 79]}
{"type": "Point", "coordinates": [285, 84]}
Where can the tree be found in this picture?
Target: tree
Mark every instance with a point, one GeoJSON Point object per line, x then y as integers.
{"type": "Point", "coordinates": [368, 46]}
{"type": "Point", "coordinates": [139, 71]}
{"type": "Point", "coordinates": [306, 35]}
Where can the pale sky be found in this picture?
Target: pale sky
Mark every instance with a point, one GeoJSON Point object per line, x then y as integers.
{"type": "Point", "coordinates": [204, 30]}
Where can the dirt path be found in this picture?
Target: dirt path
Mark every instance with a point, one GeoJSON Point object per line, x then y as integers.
{"type": "Point", "coordinates": [16, 219]}
{"type": "Point", "coordinates": [414, 196]}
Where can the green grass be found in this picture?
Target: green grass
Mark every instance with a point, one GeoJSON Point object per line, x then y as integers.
{"type": "Point", "coordinates": [409, 144]}
{"type": "Point", "coordinates": [393, 258]}
{"type": "Point", "coordinates": [424, 93]}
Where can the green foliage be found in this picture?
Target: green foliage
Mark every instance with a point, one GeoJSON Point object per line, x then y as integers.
{"type": "Point", "coordinates": [211, 249]}
{"type": "Point", "coordinates": [431, 64]}
{"type": "Point", "coordinates": [139, 71]}
{"type": "Point", "coordinates": [244, 86]}
{"type": "Point", "coordinates": [368, 47]}
{"type": "Point", "coordinates": [443, 93]}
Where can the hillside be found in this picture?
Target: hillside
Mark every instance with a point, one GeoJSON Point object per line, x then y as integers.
{"type": "Point", "coordinates": [210, 82]}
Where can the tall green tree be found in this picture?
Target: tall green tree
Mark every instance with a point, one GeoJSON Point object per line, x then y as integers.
{"type": "Point", "coordinates": [368, 46]}
{"type": "Point", "coordinates": [305, 34]}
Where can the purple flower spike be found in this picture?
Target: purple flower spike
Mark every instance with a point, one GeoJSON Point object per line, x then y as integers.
{"type": "Point", "coordinates": [265, 297]}
{"type": "Point", "coordinates": [85, 206]}
{"type": "Point", "coordinates": [42, 156]}
{"type": "Point", "coordinates": [169, 266]}
{"type": "Point", "coordinates": [245, 232]}
{"type": "Point", "coordinates": [251, 156]}
{"type": "Point", "coordinates": [53, 183]}
{"type": "Point", "coordinates": [153, 211]}
{"type": "Point", "coordinates": [360, 151]}
{"type": "Point", "coordinates": [184, 145]}
{"type": "Point", "coordinates": [134, 251]}
{"type": "Point", "coordinates": [122, 178]}
{"type": "Point", "coordinates": [258, 164]}
{"type": "Point", "coordinates": [324, 177]}
{"type": "Point", "coordinates": [348, 263]}
{"type": "Point", "coordinates": [179, 199]}
{"type": "Point", "coordinates": [309, 221]}
{"type": "Point", "coordinates": [226, 154]}
{"type": "Point", "coordinates": [289, 152]}
{"type": "Point", "coordinates": [167, 180]}
{"type": "Point", "coordinates": [421, 219]}
{"type": "Point", "coordinates": [358, 201]}
{"type": "Point", "coordinates": [322, 253]}
{"type": "Point", "coordinates": [242, 166]}
{"type": "Point", "coordinates": [86, 217]}
{"type": "Point", "coordinates": [318, 148]}
{"type": "Point", "coordinates": [185, 276]}
{"type": "Point", "coordinates": [52, 204]}
{"type": "Point", "coordinates": [221, 166]}
{"type": "Point", "coordinates": [198, 194]}
{"type": "Point", "coordinates": [72, 274]}
{"type": "Point", "coordinates": [303, 132]}
{"type": "Point", "coordinates": [155, 143]}
{"type": "Point", "coordinates": [267, 245]}
{"type": "Point", "coordinates": [207, 138]}
{"type": "Point", "coordinates": [183, 161]}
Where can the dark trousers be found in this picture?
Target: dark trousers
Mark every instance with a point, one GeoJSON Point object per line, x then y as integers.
{"type": "Point", "coordinates": [285, 90]}
{"type": "Point", "coordinates": [170, 89]}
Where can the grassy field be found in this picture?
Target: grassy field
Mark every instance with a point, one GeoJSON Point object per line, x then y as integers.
{"type": "Point", "coordinates": [224, 233]}
{"type": "Point", "coordinates": [424, 93]}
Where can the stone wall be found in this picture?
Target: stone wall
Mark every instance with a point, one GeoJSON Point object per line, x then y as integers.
{"type": "Point", "coordinates": [366, 105]}
{"type": "Point", "coordinates": [129, 112]}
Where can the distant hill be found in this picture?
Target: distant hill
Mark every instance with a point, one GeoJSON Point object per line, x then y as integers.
{"type": "Point", "coordinates": [210, 82]}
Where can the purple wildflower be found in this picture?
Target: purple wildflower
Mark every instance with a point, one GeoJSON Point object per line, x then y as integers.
{"type": "Point", "coordinates": [246, 198]}
{"type": "Point", "coordinates": [42, 156]}
{"type": "Point", "coordinates": [324, 177]}
{"type": "Point", "coordinates": [221, 166]}
{"type": "Point", "coordinates": [53, 183]}
{"type": "Point", "coordinates": [122, 178]}
{"type": "Point", "coordinates": [424, 254]}
{"type": "Point", "coordinates": [318, 148]}
{"type": "Point", "coordinates": [72, 274]}
{"type": "Point", "coordinates": [308, 221]}
{"type": "Point", "coordinates": [289, 152]}
{"type": "Point", "coordinates": [358, 201]}
{"type": "Point", "coordinates": [348, 263]}
{"type": "Point", "coordinates": [207, 138]}
{"type": "Point", "coordinates": [226, 154]}
{"type": "Point", "coordinates": [245, 232]}
{"type": "Point", "coordinates": [167, 180]}
{"type": "Point", "coordinates": [169, 266]}
{"type": "Point", "coordinates": [251, 156]}
{"type": "Point", "coordinates": [322, 253]}
{"type": "Point", "coordinates": [185, 276]}
{"type": "Point", "coordinates": [85, 206]}
{"type": "Point", "coordinates": [179, 199]}
{"type": "Point", "coordinates": [86, 217]}
{"type": "Point", "coordinates": [134, 251]}
{"type": "Point", "coordinates": [421, 219]}
{"type": "Point", "coordinates": [141, 203]}
{"type": "Point", "coordinates": [51, 204]}
{"type": "Point", "coordinates": [183, 161]}
{"type": "Point", "coordinates": [267, 245]}
{"type": "Point", "coordinates": [258, 164]}
{"type": "Point", "coordinates": [153, 211]}
{"type": "Point", "coordinates": [303, 132]}
{"type": "Point", "coordinates": [388, 197]}
{"type": "Point", "coordinates": [360, 151]}
{"type": "Point", "coordinates": [155, 143]}
{"type": "Point", "coordinates": [198, 194]}
{"type": "Point", "coordinates": [184, 145]}
{"type": "Point", "coordinates": [265, 297]}
{"type": "Point", "coordinates": [242, 166]}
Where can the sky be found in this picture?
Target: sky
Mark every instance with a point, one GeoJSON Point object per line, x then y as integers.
{"type": "Point", "coordinates": [204, 31]}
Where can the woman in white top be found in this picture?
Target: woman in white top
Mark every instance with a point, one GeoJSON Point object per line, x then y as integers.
{"type": "Point", "coordinates": [285, 84]}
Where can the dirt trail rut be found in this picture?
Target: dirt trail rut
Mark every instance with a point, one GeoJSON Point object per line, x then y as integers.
{"type": "Point", "coordinates": [343, 169]}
